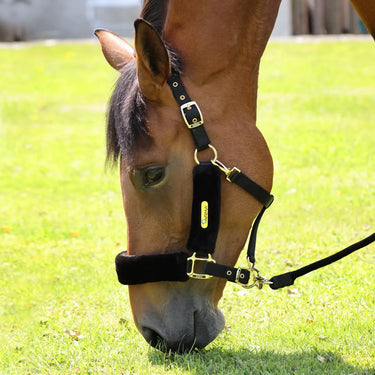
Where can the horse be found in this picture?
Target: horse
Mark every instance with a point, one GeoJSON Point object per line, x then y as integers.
{"type": "Point", "coordinates": [216, 50]}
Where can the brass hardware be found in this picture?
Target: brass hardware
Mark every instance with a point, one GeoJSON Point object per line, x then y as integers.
{"type": "Point", "coordinates": [259, 280]}
{"type": "Point", "coordinates": [228, 172]}
{"type": "Point", "coordinates": [175, 84]}
{"type": "Point", "coordinates": [188, 106]}
{"type": "Point", "coordinates": [213, 150]}
{"type": "Point", "coordinates": [217, 163]}
{"type": "Point", "coordinates": [195, 275]}
{"type": "Point", "coordinates": [229, 273]}
{"type": "Point", "coordinates": [255, 277]}
{"type": "Point", "coordinates": [240, 275]}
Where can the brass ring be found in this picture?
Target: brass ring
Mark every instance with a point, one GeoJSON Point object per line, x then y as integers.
{"type": "Point", "coordinates": [212, 160]}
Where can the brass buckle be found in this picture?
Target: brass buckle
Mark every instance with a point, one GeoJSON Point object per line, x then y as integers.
{"type": "Point", "coordinates": [255, 278]}
{"type": "Point", "coordinates": [250, 284]}
{"type": "Point", "coordinates": [197, 275]}
{"type": "Point", "coordinates": [196, 121]}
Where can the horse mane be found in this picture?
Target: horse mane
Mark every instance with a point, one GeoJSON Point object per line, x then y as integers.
{"type": "Point", "coordinates": [126, 117]}
{"type": "Point", "coordinates": [153, 12]}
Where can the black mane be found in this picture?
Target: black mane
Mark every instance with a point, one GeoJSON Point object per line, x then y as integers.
{"type": "Point", "coordinates": [126, 116]}
{"type": "Point", "coordinates": [153, 12]}
{"type": "Point", "coordinates": [126, 119]}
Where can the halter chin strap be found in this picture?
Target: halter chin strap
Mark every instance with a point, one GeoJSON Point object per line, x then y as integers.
{"type": "Point", "coordinates": [180, 266]}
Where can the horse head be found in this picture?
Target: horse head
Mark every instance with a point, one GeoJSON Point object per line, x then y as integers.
{"type": "Point", "coordinates": [147, 135]}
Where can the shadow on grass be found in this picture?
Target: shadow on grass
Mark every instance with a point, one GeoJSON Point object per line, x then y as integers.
{"type": "Point", "coordinates": [256, 362]}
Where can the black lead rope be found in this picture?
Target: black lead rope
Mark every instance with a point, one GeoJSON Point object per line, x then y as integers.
{"type": "Point", "coordinates": [179, 266]}
{"type": "Point", "coordinates": [287, 279]}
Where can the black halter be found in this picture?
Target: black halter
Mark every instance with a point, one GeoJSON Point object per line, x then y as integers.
{"type": "Point", "coordinates": [205, 220]}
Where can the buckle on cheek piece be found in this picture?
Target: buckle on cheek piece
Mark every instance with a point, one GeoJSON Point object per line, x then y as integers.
{"type": "Point", "coordinates": [191, 114]}
{"type": "Point", "coordinates": [193, 261]}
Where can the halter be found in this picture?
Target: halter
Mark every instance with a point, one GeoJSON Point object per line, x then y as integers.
{"type": "Point", "coordinates": [205, 221]}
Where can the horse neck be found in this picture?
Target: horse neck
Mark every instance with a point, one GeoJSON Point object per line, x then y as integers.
{"type": "Point", "coordinates": [221, 44]}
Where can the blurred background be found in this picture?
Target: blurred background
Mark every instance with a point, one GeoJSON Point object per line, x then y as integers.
{"type": "Point", "coordinates": [22, 20]}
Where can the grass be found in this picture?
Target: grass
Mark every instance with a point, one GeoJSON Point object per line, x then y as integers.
{"type": "Point", "coordinates": [61, 308]}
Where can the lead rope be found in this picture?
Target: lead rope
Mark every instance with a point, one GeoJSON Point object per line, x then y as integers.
{"type": "Point", "coordinates": [288, 278]}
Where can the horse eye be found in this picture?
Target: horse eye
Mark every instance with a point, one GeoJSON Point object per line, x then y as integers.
{"type": "Point", "coordinates": [153, 176]}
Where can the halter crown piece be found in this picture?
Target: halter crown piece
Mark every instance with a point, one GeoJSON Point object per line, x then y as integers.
{"type": "Point", "coordinates": [205, 221]}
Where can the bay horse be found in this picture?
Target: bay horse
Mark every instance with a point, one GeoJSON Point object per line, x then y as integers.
{"type": "Point", "coordinates": [215, 48]}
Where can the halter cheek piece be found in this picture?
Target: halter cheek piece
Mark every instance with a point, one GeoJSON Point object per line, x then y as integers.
{"type": "Point", "coordinates": [205, 220]}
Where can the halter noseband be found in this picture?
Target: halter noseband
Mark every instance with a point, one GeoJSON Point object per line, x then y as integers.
{"type": "Point", "coordinates": [205, 220]}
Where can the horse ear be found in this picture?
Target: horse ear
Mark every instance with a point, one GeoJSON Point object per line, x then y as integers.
{"type": "Point", "coordinates": [117, 51]}
{"type": "Point", "coordinates": [153, 63]}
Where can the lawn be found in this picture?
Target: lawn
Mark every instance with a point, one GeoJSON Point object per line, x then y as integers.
{"type": "Point", "coordinates": [62, 310]}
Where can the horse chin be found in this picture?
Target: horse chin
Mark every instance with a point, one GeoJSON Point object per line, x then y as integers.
{"type": "Point", "coordinates": [182, 324]}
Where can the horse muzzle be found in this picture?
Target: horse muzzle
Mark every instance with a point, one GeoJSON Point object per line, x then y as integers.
{"type": "Point", "coordinates": [182, 323]}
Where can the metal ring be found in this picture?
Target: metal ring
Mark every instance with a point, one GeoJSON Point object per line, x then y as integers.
{"type": "Point", "coordinates": [212, 160]}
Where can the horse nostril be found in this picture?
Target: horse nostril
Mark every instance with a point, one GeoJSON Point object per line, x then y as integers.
{"type": "Point", "coordinates": [164, 345]}
{"type": "Point", "coordinates": [152, 337]}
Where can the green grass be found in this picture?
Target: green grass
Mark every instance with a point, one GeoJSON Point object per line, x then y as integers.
{"type": "Point", "coordinates": [61, 221]}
